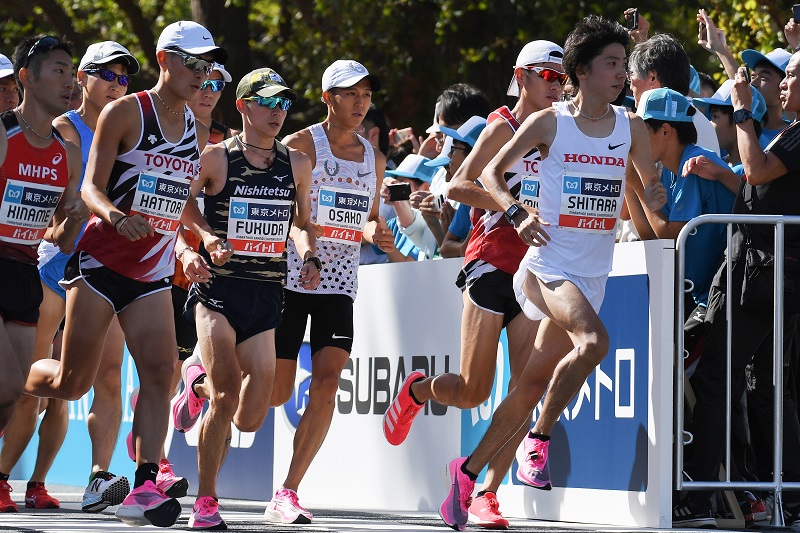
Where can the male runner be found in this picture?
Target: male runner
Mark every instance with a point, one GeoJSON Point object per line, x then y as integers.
{"type": "Point", "coordinates": [492, 257]}
{"type": "Point", "coordinates": [346, 169]}
{"type": "Point", "coordinates": [39, 174]}
{"type": "Point", "coordinates": [9, 92]}
{"type": "Point", "coordinates": [144, 156]}
{"type": "Point", "coordinates": [562, 277]}
{"type": "Point", "coordinates": [256, 190]}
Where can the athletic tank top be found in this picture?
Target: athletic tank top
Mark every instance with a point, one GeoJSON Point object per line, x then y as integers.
{"type": "Point", "coordinates": [582, 184]}
{"type": "Point", "coordinates": [341, 201]}
{"type": "Point", "coordinates": [47, 250]}
{"type": "Point", "coordinates": [253, 211]}
{"type": "Point", "coordinates": [33, 181]}
{"type": "Point", "coordinates": [153, 180]}
{"type": "Point", "coordinates": [494, 239]}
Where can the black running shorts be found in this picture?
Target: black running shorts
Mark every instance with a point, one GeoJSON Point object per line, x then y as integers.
{"type": "Point", "coordinates": [331, 323]}
{"type": "Point", "coordinates": [489, 289]}
{"type": "Point", "coordinates": [21, 294]}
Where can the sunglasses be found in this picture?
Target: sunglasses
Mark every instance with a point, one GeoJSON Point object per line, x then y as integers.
{"type": "Point", "coordinates": [271, 101]}
{"type": "Point", "coordinates": [45, 42]}
{"type": "Point", "coordinates": [215, 85]}
{"type": "Point", "coordinates": [549, 75]}
{"type": "Point", "coordinates": [107, 75]}
{"type": "Point", "coordinates": [195, 63]}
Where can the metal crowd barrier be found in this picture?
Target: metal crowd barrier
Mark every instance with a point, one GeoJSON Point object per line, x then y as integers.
{"type": "Point", "coordinates": [777, 485]}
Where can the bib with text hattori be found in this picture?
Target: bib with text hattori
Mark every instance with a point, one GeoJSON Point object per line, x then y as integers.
{"type": "Point", "coordinates": [26, 211]}
{"type": "Point", "coordinates": [529, 191]}
{"type": "Point", "coordinates": [590, 203]}
{"type": "Point", "coordinates": [342, 214]}
{"type": "Point", "coordinates": [259, 227]}
{"type": "Point", "coordinates": [160, 199]}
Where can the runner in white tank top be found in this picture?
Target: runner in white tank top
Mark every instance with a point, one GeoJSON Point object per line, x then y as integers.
{"type": "Point", "coordinates": [582, 180]}
{"type": "Point", "coordinates": [344, 205]}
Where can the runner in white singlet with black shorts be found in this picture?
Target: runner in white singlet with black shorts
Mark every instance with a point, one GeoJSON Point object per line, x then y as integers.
{"type": "Point", "coordinates": [346, 170]}
{"type": "Point", "coordinates": [562, 277]}
{"type": "Point", "coordinates": [144, 156]}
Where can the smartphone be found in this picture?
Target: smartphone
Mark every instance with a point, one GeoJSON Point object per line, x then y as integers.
{"type": "Point", "coordinates": [399, 192]}
{"type": "Point", "coordinates": [438, 201]}
{"type": "Point", "coordinates": [747, 73]}
{"type": "Point", "coordinates": [403, 135]}
{"type": "Point", "coordinates": [632, 20]}
{"type": "Point", "coordinates": [796, 13]}
{"type": "Point", "coordinates": [703, 35]}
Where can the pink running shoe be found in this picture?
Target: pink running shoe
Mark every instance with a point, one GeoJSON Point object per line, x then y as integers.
{"type": "Point", "coordinates": [455, 509]}
{"type": "Point", "coordinates": [168, 483]}
{"type": "Point", "coordinates": [188, 407]}
{"type": "Point", "coordinates": [398, 418]}
{"type": "Point", "coordinates": [148, 506]}
{"type": "Point", "coordinates": [533, 468]}
{"type": "Point", "coordinates": [129, 438]}
{"type": "Point", "coordinates": [484, 511]}
{"type": "Point", "coordinates": [205, 514]}
{"type": "Point", "coordinates": [285, 508]}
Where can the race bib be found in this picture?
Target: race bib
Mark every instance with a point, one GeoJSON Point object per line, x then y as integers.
{"type": "Point", "coordinates": [26, 211]}
{"type": "Point", "coordinates": [342, 214]}
{"type": "Point", "coordinates": [590, 203]}
{"type": "Point", "coordinates": [259, 228]}
{"type": "Point", "coordinates": [529, 191]}
{"type": "Point", "coordinates": [160, 199]}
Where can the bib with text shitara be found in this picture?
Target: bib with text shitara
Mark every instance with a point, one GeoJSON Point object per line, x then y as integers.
{"type": "Point", "coordinates": [26, 211]}
{"type": "Point", "coordinates": [259, 228]}
{"type": "Point", "coordinates": [160, 199]}
{"type": "Point", "coordinates": [590, 203]}
{"type": "Point", "coordinates": [342, 214]}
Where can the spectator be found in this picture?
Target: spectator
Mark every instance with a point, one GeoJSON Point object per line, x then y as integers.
{"type": "Point", "coordinates": [9, 92]}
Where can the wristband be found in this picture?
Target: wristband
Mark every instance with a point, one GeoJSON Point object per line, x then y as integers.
{"type": "Point", "coordinates": [315, 260]}
{"type": "Point", "coordinates": [120, 222]}
{"type": "Point", "coordinates": [180, 253]}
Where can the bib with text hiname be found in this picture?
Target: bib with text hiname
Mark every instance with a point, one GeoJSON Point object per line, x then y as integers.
{"type": "Point", "coordinates": [590, 203]}
{"type": "Point", "coordinates": [257, 227]}
{"type": "Point", "coordinates": [342, 213]}
{"type": "Point", "coordinates": [160, 199]}
{"type": "Point", "coordinates": [26, 211]}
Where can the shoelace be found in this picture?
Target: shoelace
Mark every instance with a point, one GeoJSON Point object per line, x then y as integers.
{"type": "Point", "coordinates": [493, 504]}
{"type": "Point", "coordinates": [165, 467]}
{"type": "Point", "coordinates": [208, 506]}
{"type": "Point", "coordinates": [292, 497]}
{"type": "Point", "coordinates": [6, 486]}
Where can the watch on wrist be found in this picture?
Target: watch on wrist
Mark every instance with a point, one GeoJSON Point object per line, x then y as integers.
{"type": "Point", "coordinates": [742, 115]}
{"type": "Point", "coordinates": [511, 212]}
{"type": "Point", "coordinates": [315, 260]}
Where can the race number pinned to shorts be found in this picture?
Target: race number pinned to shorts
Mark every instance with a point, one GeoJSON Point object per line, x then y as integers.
{"type": "Point", "coordinates": [26, 211]}
{"type": "Point", "coordinates": [160, 199]}
{"type": "Point", "coordinates": [342, 214]}
{"type": "Point", "coordinates": [590, 203]}
{"type": "Point", "coordinates": [259, 228]}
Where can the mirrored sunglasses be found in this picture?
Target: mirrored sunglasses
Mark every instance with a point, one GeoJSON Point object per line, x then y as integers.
{"type": "Point", "coordinates": [549, 75]}
{"type": "Point", "coordinates": [215, 85]}
{"type": "Point", "coordinates": [271, 101]}
{"type": "Point", "coordinates": [194, 62]}
{"type": "Point", "coordinates": [108, 75]}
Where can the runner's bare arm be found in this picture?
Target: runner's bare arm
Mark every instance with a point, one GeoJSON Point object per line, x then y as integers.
{"type": "Point", "coordinates": [302, 141]}
{"type": "Point", "coordinates": [538, 130]}
{"type": "Point", "coordinates": [213, 174]}
{"type": "Point", "coordinates": [304, 231]}
{"type": "Point", "coordinates": [3, 144]}
{"type": "Point", "coordinates": [635, 208]}
{"type": "Point", "coordinates": [376, 231]}
{"type": "Point", "coordinates": [463, 187]}
{"type": "Point", "coordinates": [72, 212]}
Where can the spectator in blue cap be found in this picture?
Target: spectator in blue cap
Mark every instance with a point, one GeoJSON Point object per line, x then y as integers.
{"type": "Point", "coordinates": [768, 70]}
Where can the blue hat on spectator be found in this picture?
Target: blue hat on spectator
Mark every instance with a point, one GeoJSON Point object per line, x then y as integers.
{"type": "Point", "coordinates": [694, 80]}
{"type": "Point", "coordinates": [444, 155]}
{"type": "Point", "coordinates": [413, 166]}
{"type": "Point", "coordinates": [723, 98]}
{"type": "Point", "coordinates": [666, 105]}
{"type": "Point", "coordinates": [779, 58]}
{"type": "Point", "coordinates": [468, 132]}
